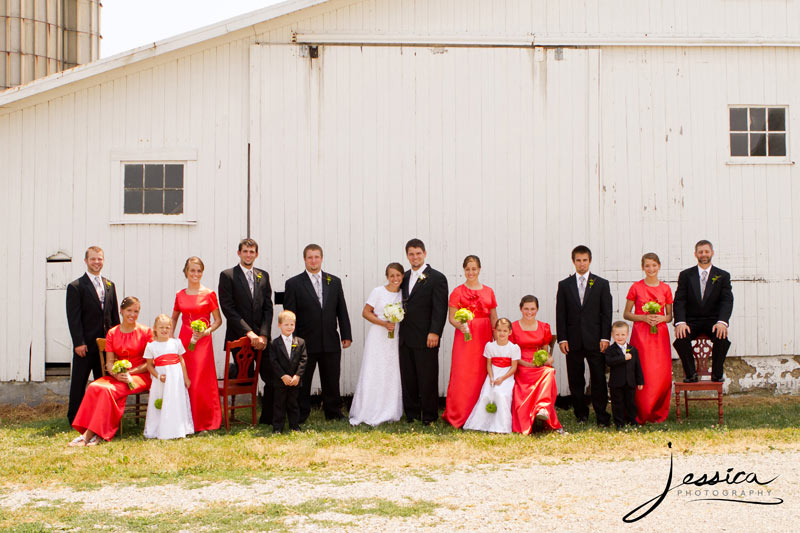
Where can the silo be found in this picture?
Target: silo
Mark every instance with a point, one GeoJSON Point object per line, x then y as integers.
{"type": "Point", "coordinates": [41, 37]}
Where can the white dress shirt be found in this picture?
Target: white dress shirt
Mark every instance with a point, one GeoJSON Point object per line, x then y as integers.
{"type": "Point", "coordinates": [414, 276]}
{"type": "Point", "coordinates": [287, 341]}
{"type": "Point", "coordinates": [97, 283]}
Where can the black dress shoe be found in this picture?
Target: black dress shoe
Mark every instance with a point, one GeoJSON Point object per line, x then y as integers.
{"type": "Point", "coordinates": [583, 420]}
{"type": "Point", "coordinates": [718, 380]}
{"type": "Point", "coordinates": [337, 416]}
{"type": "Point", "coordinates": [295, 428]}
{"type": "Point", "coordinates": [691, 379]}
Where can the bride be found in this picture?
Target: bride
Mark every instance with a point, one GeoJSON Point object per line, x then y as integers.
{"type": "Point", "coordinates": [378, 397]}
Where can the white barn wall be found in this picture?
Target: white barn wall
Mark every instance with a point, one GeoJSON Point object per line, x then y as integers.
{"type": "Point", "coordinates": [55, 146]}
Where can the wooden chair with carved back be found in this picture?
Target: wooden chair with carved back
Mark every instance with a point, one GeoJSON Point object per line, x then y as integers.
{"type": "Point", "coordinates": [243, 355]}
{"type": "Point", "coordinates": [136, 409]}
{"type": "Point", "coordinates": [701, 348]}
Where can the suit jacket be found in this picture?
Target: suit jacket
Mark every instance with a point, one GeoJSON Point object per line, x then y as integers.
{"type": "Point", "coordinates": [317, 324]}
{"type": "Point", "coordinates": [623, 372]}
{"type": "Point", "coordinates": [283, 363]}
{"type": "Point", "coordinates": [717, 302]}
{"type": "Point", "coordinates": [87, 319]}
{"type": "Point", "coordinates": [425, 306]}
{"type": "Point", "coordinates": [245, 312]}
{"type": "Point", "coordinates": [583, 326]}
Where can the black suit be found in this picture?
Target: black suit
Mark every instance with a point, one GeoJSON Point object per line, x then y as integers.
{"type": "Point", "coordinates": [283, 364]}
{"type": "Point", "coordinates": [317, 325]}
{"type": "Point", "coordinates": [583, 326]}
{"type": "Point", "coordinates": [245, 312]}
{"type": "Point", "coordinates": [625, 376]}
{"type": "Point", "coordinates": [701, 315]}
{"type": "Point", "coordinates": [426, 312]}
{"type": "Point", "coordinates": [87, 320]}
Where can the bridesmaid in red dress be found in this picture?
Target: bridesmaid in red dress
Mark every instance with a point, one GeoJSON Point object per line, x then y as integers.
{"type": "Point", "coordinates": [655, 351]}
{"type": "Point", "coordinates": [104, 403]}
{"type": "Point", "coordinates": [535, 388]}
{"type": "Point", "coordinates": [199, 303]}
{"type": "Point", "coordinates": [468, 366]}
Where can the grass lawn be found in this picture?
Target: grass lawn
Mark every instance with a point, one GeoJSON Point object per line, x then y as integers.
{"type": "Point", "coordinates": [33, 451]}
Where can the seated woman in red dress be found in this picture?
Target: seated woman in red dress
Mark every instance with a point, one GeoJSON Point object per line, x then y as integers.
{"type": "Point", "coordinates": [535, 388]}
{"type": "Point", "coordinates": [468, 366]}
{"type": "Point", "coordinates": [197, 302]}
{"type": "Point", "coordinates": [104, 403]}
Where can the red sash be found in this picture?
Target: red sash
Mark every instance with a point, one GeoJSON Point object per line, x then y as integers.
{"type": "Point", "coordinates": [501, 362]}
{"type": "Point", "coordinates": [167, 359]}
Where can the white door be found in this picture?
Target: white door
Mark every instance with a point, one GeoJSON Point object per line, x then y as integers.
{"type": "Point", "coordinates": [492, 151]}
{"type": "Point", "coordinates": [58, 342]}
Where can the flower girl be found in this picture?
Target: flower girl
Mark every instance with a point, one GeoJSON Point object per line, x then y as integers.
{"type": "Point", "coordinates": [492, 412]}
{"type": "Point", "coordinates": [169, 414]}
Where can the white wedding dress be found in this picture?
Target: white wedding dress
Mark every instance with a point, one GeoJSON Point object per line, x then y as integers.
{"type": "Point", "coordinates": [500, 421]}
{"type": "Point", "coordinates": [379, 396]}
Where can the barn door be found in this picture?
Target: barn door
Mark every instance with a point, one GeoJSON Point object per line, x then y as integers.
{"type": "Point", "coordinates": [480, 150]}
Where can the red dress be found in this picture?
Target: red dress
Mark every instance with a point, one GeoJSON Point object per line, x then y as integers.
{"type": "Point", "coordinates": [655, 354]}
{"type": "Point", "coordinates": [203, 391]}
{"type": "Point", "coordinates": [468, 366]}
{"type": "Point", "coordinates": [104, 403]}
{"type": "Point", "coordinates": [534, 387]}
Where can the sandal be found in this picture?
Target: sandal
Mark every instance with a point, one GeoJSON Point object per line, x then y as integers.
{"type": "Point", "coordinates": [77, 441]}
{"type": "Point", "coordinates": [93, 441]}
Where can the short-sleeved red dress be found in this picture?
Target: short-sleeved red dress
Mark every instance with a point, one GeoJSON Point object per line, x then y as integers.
{"type": "Point", "coordinates": [468, 366]}
{"type": "Point", "coordinates": [203, 391]}
{"type": "Point", "coordinates": [655, 354]}
{"type": "Point", "coordinates": [534, 387]}
{"type": "Point", "coordinates": [104, 403]}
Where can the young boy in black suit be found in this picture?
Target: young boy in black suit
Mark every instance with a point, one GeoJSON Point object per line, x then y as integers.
{"type": "Point", "coordinates": [626, 376]}
{"type": "Point", "coordinates": [287, 356]}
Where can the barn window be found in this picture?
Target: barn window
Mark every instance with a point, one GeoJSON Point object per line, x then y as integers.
{"type": "Point", "coordinates": [153, 188]}
{"type": "Point", "coordinates": [758, 132]}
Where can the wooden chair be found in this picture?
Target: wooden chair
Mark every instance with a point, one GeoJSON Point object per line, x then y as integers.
{"type": "Point", "coordinates": [138, 408]}
{"type": "Point", "coordinates": [242, 384]}
{"type": "Point", "coordinates": [701, 348]}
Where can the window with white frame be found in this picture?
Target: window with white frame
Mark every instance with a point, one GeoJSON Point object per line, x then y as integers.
{"type": "Point", "coordinates": [758, 132]}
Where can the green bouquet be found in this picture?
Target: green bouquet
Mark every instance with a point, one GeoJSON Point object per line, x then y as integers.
{"type": "Point", "coordinates": [198, 326]}
{"type": "Point", "coordinates": [464, 315]}
{"type": "Point", "coordinates": [120, 366]}
{"type": "Point", "coordinates": [540, 357]}
{"type": "Point", "coordinates": [158, 403]}
{"type": "Point", "coordinates": [652, 308]}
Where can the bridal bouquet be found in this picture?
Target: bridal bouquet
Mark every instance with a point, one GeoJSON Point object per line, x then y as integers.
{"type": "Point", "coordinates": [540, 357]}
{"type": "Point", "coordinates": [394, 313]}
{"type": "Point", "coordinates": [122, 365]}
{"type": "Point", "coordinates": [198, 326]}
{"type": "Point", "coordinates": [464, 315]}
{"type": "Point", "coordinates": [652, 308]}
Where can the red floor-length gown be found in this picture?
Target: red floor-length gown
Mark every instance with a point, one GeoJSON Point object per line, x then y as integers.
{"type": "Point", "coordinates": [534, 388]}
{"type": "Point", "coordinates": [104, 403]}
{"type": "Point", "coordinates": [203, 391]}
{"type": "Point", "coordinates": [468, 366]}
{"type": "Point", "coordinates": [655, 354]}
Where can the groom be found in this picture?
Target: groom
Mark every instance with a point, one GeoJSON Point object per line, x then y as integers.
{"type": "Point", "coordinates": [424, 292]}
{"type": "Point", "coordinates": [703, 305]}
{"type": "Point", "coordinates": [583, 323]}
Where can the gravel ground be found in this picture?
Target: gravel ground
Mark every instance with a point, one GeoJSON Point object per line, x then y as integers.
{"type": "Point", "coordinates": [569, 496]}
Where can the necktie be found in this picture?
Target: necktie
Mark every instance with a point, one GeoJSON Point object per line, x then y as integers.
{"type": "Point", "coordinates": [318, 287]}
{"type": "Point", "coordinates": [582, 287]}
{"type": "Point", "coordinates": [98, 286]}
{"type": "Point", "coordinates": [251, 282]}
{"type": "Point", "coordinates": [703, 280]}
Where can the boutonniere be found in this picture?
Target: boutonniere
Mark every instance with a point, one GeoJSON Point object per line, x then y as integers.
{"type": "Point", "coordinates": [294, 346]}
{"type": "Point", "coordinates": [591, 282]}
{"type": "Point", "coordinates": [108, 283]}
{"type": "Point", "coordinates": [328, 279]}
{"type": "Point", "coordinates": [627, 350]}
{"type": "Point", "coordinates": [422, 277]}
{"type": "Point", "coordinates": [715, 278]}
{"type": "Point", "coordinates": [258, 275]}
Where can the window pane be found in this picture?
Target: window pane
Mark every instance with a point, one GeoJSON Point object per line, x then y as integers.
{"type": "Point", "coordinates": [758, 144]}
{"type": "Point", "coordinates": [758, 119]}
{"type": "Point", "coordinates": [133, 176]}
{"type": "Point", "coordinates": [738, 144]}
{"type": "Point", "coordinates": [777, 119]}
{"type": "Point", "coordinates": [739, 119]}
{"type": "Point", "coordinates": [153, 201]}
{"type": "Point", "coordinates": [133, 202]}
{"type": "Point", "coordinates": [153, 176]}
{"type": "Point", "coordinates": [173, 202]}
{"type": "Point", "coordinates": [173, 177]}
{"type": "Point", "coordinates": [777, 144]}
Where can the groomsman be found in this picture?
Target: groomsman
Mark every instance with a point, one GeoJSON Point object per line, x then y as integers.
{"type": "Point", "coordinates": [245, 297]}
{"type": "Point", "coordinates": [92, 310]}
{"type": "Point", "coordinates": [424, 292]}
{"type": "Point", "coordinates": [703, 305]}
{"type": "Point", "coordinates": [583, 321]}
{"type": "Point", "coordinates": [317, 298]}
